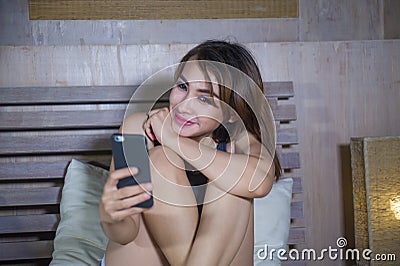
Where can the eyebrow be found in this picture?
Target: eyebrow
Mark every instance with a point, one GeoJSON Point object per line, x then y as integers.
{"type": "Point", "coordinates": [181, 76]}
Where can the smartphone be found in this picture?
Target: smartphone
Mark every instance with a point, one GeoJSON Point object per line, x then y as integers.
{"type": "Point", "coordinates": [130, 150]}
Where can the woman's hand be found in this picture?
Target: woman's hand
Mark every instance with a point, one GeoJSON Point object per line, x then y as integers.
{"type": "Point", "coordinates": [116, 204]}
{"type": "Point", "coordinates": [158, 126]}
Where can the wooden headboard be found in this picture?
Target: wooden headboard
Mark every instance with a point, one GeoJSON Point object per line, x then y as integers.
{"type": "Point", "coordinates": [43, 128]}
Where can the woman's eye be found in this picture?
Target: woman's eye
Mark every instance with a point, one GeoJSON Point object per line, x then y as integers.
{"type": "Point", "coordinates": [182, 86]}
{"type": "Point", "coordinates": [205, 99]}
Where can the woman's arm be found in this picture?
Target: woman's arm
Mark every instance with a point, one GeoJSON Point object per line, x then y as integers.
{"type": "Point", "coordinates": [249, 172]}
{"type": "Point", "coordinates": [120, 221]}
{"type": "Point", "coordinates": [247, 175]}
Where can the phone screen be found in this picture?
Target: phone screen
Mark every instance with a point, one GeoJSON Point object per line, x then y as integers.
{"type": "Point", "coordinates": [130, 150]}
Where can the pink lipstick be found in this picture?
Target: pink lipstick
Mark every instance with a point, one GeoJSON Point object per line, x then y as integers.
{"type": "Point", "coordinates": [182, 121]}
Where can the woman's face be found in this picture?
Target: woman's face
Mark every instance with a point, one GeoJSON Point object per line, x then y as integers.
{"type": "Point", "coordinates": [195, 114]}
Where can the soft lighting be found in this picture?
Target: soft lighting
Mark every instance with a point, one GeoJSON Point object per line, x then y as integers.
{"type": "Point", "coordinates": [395, 206]}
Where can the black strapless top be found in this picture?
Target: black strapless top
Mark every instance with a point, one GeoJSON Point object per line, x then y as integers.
{"type": "Point", "coordinates": [197, 180]}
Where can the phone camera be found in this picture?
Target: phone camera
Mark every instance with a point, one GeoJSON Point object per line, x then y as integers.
{"type": "Point", "coordinates": [119, 138]}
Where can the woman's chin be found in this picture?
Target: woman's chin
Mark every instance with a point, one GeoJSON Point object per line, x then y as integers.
{"type": "Point", "coordinates": [184, 131]}
{"type": "Point", "coordinates": [188, 134]}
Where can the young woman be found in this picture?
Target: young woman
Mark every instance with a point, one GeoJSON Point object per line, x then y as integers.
{"type": "Point", "coordinates": [220, 125]}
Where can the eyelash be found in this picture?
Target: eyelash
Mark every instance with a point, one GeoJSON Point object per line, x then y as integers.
{"type": "Point", "coordinates": [182, 86]}
{"type": "Point", "coordinates": [202, 99]}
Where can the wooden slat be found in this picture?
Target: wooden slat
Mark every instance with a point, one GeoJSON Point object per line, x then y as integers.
{"type": "Point", "coordinates": [297, 185]}
{"type": "Point", "coordinates": [61, 119]}
{"type": "Point", "coordinates": [68, 116]}
{"type": "Point", "coordinates": [296, 209]}
{"type": "Point", "coordinates": [286, 136]}
{"type": "Point", "coordinates": [104, 94]}
{"type": "Point", "coordinates": [290, 160]}
{"type": "Point", "coordinates": [26, 250]}
{"type": "Point", "coordinates": [279, 89]}
{"type": "Point", "coordinates": [32, 170]}
{"type": "Point", "coordinates": [89, 116]}
{"type": "Point", "coordinates": [284, 112]}
{"type": "Point", "coordinates": [67, 95]}
{"type": "Point", "coordinates": [43, 167]}
{"type": "Point", "coordinates": [47, 142]}
{"type": "Point", "coordinates": [28, 223]}
{"type": "Point", "coordinates": [273, 102]}
{"type": "Point", "coordinates": [29, 196]}
{"type": "Point", "coordinates": [296, 236]}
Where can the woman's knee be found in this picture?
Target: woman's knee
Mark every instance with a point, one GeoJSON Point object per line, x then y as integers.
{"type": "Point", "coordinates": [168, 165]}
{"type": "Point", "coordinates": [169, 179]}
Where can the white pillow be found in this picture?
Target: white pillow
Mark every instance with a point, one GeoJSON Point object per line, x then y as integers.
{"type": "Point", "coordinates": [272, 222]}
{"type": "Point", "coordinates": [79, 238]}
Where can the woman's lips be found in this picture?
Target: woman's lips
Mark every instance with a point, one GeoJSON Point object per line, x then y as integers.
{"type": "Point", "coordinates": [183, 121]}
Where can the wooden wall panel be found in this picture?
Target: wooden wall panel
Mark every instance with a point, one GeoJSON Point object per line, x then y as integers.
{"type": "Point", "coordinates": [17, 29]}
{"type": "Point", "coordinates": [391, 19]}
{"type": "Point", "coordinates": [328, 20]}
{"type": "Point", "coordinates": [318, 20]}
{"type": "Point", "coordinates": [342, 90]}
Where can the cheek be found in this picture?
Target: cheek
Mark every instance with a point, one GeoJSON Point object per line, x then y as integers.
{"type": "Point", "coordinates": [213, 118]}
{"type": "Point", "coordinates": [217, 114]}
{"type": "Point", "coordinates": [175, 97]}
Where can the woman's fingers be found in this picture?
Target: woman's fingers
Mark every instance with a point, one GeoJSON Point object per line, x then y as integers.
{"type": "Point", "coordinates": [153, 125]}
{"type": "Point", "coordinates": [129, 191]}
{"type": "Point", "coordinates": [149, 132]}
{"type": "Point", "coordinates": [118, 204]}
{"type": "Point", "coordinates": [152, 112]}
{"type": "Point", "coordinates": [123, 213]}
{"type": "Point", "coordinates": [128, 203]}
{"type": "Point", "coordinates": [147, 128]}
{"type": "Point", "coordinates": [116, 175]}
{"type": "Point", "coordinates": [117, 210]}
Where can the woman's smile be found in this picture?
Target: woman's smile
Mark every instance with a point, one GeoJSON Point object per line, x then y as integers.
{"type": "Point", "coordinates": [181, 120]}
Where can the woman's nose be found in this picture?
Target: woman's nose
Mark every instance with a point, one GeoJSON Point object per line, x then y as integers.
{"type": "Point", "coordinates": [187, 104]}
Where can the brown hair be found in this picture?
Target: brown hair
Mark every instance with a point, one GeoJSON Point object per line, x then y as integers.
{"type": "Point", "coordinates": [238, 57]}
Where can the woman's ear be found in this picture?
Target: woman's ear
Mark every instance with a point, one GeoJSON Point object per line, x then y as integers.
{"type": "Point", "coordinates": [232, 119]}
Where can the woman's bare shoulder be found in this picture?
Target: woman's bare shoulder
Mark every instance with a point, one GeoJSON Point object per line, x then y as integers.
{"type": "Point", "coordinates": [133, 124]}
{"type": "Point", "coordinates": [247, 143]}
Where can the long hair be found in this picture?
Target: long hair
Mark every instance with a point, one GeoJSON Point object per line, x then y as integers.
{"type": "Point", "coordinates": [238, 57]}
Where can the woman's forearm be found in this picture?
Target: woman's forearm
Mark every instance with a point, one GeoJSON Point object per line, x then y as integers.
{"type": "Point", "coordinates": [239, 174]}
